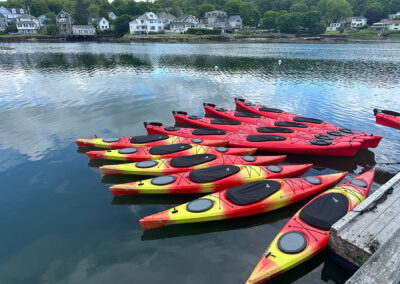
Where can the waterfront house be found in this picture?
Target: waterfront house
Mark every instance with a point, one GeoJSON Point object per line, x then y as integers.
{"type": "Point", "coordinates": [391, 25]}
{"type": "Point", "coordinates": [394, 16]}
{"type": "Point", "coordinates": [3, 22]}
{"type": "Point", "coordinates": [102, 23]}
{"type": "Point", "coordinates": [333, 27]}
{"type": "Point", "coordinates": [183, 23]}
{"type": "Point", "coordinates": [357, 22]}
{"type": "Point", "coordinates": [166, 18]}
{"type": "Point", "coordinates": [12, 13]}
{"type": "Point", "coordinates": [146, 24]}
{"type": "Point", "coordinates": [112, 16]}
{"type": "Point", "coordinates": [235, 22]}
{"type": "Point", "coordinates": [64, 22]}
{"type": "Point", "coordinates": [83, 31]}
{"type": "Point", "coordinates": [216, 19]}
{"type": "Point", "coordinates": [27, 24]}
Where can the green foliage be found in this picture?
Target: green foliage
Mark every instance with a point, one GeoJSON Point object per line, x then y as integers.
{"type": "Point", "coordinates": [121, 24]}
{"type": "Point", "coordinates": [203, 31]}
{"type": "Point", "coordinates": [11, 28]}
{"type": "Point", "coordinates": [80, 13]}
{"type": "Point", "coordinates": [50, 18]}
{"type": "Point", "coordinates": [299, 7]}
{"type": "Point", "coordinates": [268, 21]}
{"type": "Point", "coordinates": [247, 10]}
{"type": "Point", "coordinates": [38, 8]}
{"type": "Point", "coordinates": [334, 10]}
{"type": "Point", "coordinates": [51, 29]}
{"type": "Point", "coordinates": [204, 8]}
{"type": "Point", "coordinates": [373, 15]}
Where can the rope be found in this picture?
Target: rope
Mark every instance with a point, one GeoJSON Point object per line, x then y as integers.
{"type": "Point", "coordinates": [375, 203]}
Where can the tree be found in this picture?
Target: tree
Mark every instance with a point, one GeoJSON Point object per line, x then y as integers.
{"type": "Point", "coordinates": [54, 6]}
{"type": "Point", "coordinates": [373, 15]}
{"type": "Point", "coordinates": [51, 29]}
{"type": "Point", "coordinates": [11, 28]}
{"type": "Point", "coordinates": [268, 21]}
{"type": "Point", "coordinates": [247, 10]}
{"type": "Point", "coordinates": [204, 8]}
{"type": "Point", "coordinates": [50, 18]}
{"type": "Point", "coordinates": [121, 24]}
{"type": "Point", "coordinates": [38, 8]}
{"type": "Point", "coordinates": [334, 10]}
{"type": "Point", "coordinates": [299, 7]}
{"type": "Point", "coordinates": [80, 14]}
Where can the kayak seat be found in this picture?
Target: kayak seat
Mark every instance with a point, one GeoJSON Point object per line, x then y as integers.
{"type": "Point", "coordinates": [265, 129]}
{"type": "Point", "coordinates": [264, 138]}
{"type": "Point", "coordinates": [213, 173]}
{"type": "Point", "coordinates": [193, 160]}
{"type": "Point", "coordinates": [324, 211]}
{"type": "Point", "coordinates": [269, 109]}
{"type": "Point", "coordinates": [225, 122]}
{"type": "Point", "coordinates": [247, 114]}
{"type": "Point", "coordinates": [252, 192]}
{"type": "Point", "coordinates": [169, 149]}
{"type": "Point", "coordinates": [208, 131]}
{"type": "Point", "coordinates": [290, 124]}
{"type": "Point", "coordinates": [148, 138]}
{"type": "Point", "coordinates": [308, 119]}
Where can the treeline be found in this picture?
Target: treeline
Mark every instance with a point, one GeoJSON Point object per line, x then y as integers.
{"type": "Point", "coordinates": [302, 16]}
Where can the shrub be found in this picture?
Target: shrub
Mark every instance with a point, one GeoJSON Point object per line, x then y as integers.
{"type": "Point", "coordinates": [11, 28]}
{"type": "Point", "coordinates": [196, 31]}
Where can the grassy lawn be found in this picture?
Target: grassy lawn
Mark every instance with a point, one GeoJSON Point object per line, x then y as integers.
{"type": "Point", "coordinates": [24, 35]}
{"type": "Point", "coordinates": [163, 35]}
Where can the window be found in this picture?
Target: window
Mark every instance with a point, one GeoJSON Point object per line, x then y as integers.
{"type": "Point", "coordinates": [152, 28]}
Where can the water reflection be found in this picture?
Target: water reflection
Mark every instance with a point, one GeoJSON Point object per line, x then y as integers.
{"type": "Point", "coordinates": [62, 223]}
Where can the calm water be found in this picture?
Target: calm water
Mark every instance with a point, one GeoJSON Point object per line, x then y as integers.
{"type": "Point", "coordinates": [60, 224]}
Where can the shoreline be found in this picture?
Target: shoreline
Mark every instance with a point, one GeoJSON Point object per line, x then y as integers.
{"type": "Point", "coordinates": [201, 39]}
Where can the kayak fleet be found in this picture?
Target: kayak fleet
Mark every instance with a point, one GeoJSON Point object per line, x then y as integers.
{"type": "Point", "coordinates": [216, 157]}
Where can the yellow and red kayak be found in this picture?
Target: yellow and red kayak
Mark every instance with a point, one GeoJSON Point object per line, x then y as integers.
{"type": "Point", "coordinates": [145, 141]}
{"type": "Point", "coordinates": [187, 163]}
{"type": "Point", "coordinates": [244, 200]}
{"type": "Point", "coordinates": [208, 180]}
{"type": "Point", "coordinates": [164, 151]}
{"type": "Point", "coordinates": [307, 232]}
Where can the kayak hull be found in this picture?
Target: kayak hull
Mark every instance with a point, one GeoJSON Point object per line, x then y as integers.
{"type": "Point", "coordinates": [387, 118]}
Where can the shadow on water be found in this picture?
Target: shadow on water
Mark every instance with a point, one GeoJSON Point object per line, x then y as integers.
{"type": "Point", "coordinates": [222, 225]}
{"type": "Point", "coordinates": [153, 199]}
{"type": "Point", "coordinates": [99, 163]}
{"type": "Point", "coordinates": [118, 179]}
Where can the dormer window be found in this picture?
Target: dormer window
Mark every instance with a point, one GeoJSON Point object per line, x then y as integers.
{"type": "Point", "coordinates": [13, 11]}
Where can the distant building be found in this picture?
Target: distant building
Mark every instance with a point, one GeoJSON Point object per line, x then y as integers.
{"type": "Point", "coordinates": [166, 18]}
{"type": "Point", "coordinates": [357, 22]}
{"type": "Point", "coordinates": [102, 23]}
{"type": "Point", "coordinates": [64, 22]}
{"type": "Point", "coordinates": [333, 27]}
{"type": "Point", "coordinates": [27, 24]}
{"type": "Point", "coordinates": [112, 16]}
{"type": "Point", "coordinates": [183, 23]}
{"type": "Point", "coordinates": [3, 22]}
{"type": "Point", "coordinates": [146, 24]}
{"type": "Point", "coordinates": [217, 19]}
{"type": "Point", "coordinates": [12, 13]}
{"type": "Point", "coordinates": [394, 16]}
{"type": "Point", "coordinates": [42, 20]}
{"type": "Point", "coordinates": [391, 25]}
{"type": "Point", "coordinates": [83, 30]}
{"type": "Point", "coordinates": [235, 22]}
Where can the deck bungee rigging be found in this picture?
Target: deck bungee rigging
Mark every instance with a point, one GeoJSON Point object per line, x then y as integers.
{"type": "Point", "coordinates": [144, 141]}
{"type": "Point", "coordinates": [278, 114]}
{"type": "Point", "coordinates": [244, 200]}
{"type": "Point", "coordinates": [164, 151]}
{"type": "Point", "coordinates": [187, 163]}
{"type": "Point", "coordinates": [208, 180]}
{"type": "Point", "coordinates": [387, 118]}
{"type": "Point", "coordinates": [307, 232]}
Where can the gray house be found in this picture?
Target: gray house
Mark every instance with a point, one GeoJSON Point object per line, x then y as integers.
{"type": "Point", "coordinates": [83, 30]}
{"type": "Point", "coordinates": [64, 22]}
{"type": "Point", "coordinates": [220, 20]}
{"type": "Point", "coordinates": [235, 22]}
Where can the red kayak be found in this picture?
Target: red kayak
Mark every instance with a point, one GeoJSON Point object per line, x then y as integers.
{"type": "Point", "coordinates": [387, 118]}
{"type": "Point", "coordinates": [307, 232]}
{"type": "Point", "coordinates": [143, 141]}
{"type": "Point", "coordinates": [208, 180]}
{"type": "Point", "coordinates": [278, 114]}
{"type": "Point", "coordinates": [269, 143]}
{"type": "Point", "coordinates": [299, 130]}
{"type": "Point", "coordinates": [164, 152]}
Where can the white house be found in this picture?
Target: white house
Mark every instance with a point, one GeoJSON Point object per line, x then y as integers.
{"type": "Point", "coordinates": [166, 18]}
{"type": "Point", "coordinates": [12, 13]}
{"type": "Point", "coordinates": [102, 23]}
{"type": "Point", "coordinates": [112, 16]}
{"type": "Point", "coordinates": [3, 22]}
{"type": "Point", "coordinates": [357, 22]}
{"type": "Point", "coordinates": [146, 23]}
{"type": "Point", "coordinates": [27, 24]}
{"type": "Point", "coordinates": [394, 16]}
{"type": "Point", "coordinates": [391, 25]}
{"type": "Point", "coordinates": [182, 24]}
{"type": "Point", "coordinates": [333, 27]}
{"type": "Point", "coordinates": [83, 30]}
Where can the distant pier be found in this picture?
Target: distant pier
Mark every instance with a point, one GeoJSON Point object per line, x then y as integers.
{"type": "Point", "coordinates": [369, 237]}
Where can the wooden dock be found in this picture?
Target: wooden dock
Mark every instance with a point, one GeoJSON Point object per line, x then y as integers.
{"type": "Point", "coordinates": [369, 236]}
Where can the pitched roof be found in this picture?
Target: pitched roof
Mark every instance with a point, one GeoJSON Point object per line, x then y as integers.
{"type": "Point", "coordinates": [387, 21]}
{"type": "Point", "coordinates": [26, 17]}
{"type": "Point", "coordinates": [234, 18]}
{"type": "Point", "coordinates": [164, 15]}
{"type": "Point", "coordinates": [83, 26]}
